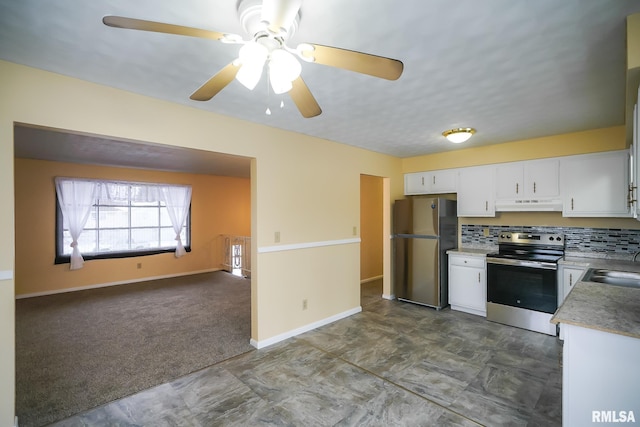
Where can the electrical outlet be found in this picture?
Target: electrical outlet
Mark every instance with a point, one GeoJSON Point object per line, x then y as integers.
{"type": "Point", "coordinates": [486, 232]}
{"type": "Point", "coordinates": [139, 265]}
{"type": "Point", "coordinates": [304, 304]}
{"type": "Point", "coordinates": [276, 237]}
{"type": "Point", "coordinates": [355, 230]}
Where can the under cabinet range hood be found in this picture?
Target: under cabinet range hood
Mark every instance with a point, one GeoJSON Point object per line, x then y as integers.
{"type": "Point", "coordinates": [529, 205]}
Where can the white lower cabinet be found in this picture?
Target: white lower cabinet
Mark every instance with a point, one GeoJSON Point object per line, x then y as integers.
{"type": "Point", "coordinates": [600, 378]}
{"type": "Point", "coordinates": [468, 283]}
{"type": "Point", "coordinates": [567, 277]}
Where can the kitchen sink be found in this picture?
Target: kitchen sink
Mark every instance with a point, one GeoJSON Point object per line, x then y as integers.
{"type": "Point", "coordinates": [613, 277]}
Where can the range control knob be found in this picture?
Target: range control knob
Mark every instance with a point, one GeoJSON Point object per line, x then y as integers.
{"type": "Point", "coordinates": [551, 238]}
{"type": "Point", "coordinates": [559, 239]}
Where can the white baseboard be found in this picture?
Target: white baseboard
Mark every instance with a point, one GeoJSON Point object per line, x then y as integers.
{"type": "Point", "coordinates": [303, 329]}
{"type": "Point", "coordinates": [371, 279]}
{"type": "Point", "coordinates": [389, 297]}
{"type": "Point", "coordinates": [15, 423]}
{"type": "Point", "coordinates": [123, 282]}
{"type": "Point", "coordinates": [6, 274]}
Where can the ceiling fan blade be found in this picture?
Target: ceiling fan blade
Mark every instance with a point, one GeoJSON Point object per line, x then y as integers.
{"type": "Point", "coordinates": [279, 14]}
{"type": "Point", "coordinates": [216, 83]}
{"type": "Point", "coordinates": [159, 27]}
{"type": "Point", "coordinates": [373, 65]}
{"type": "Point", "coordinates": [304, 100]}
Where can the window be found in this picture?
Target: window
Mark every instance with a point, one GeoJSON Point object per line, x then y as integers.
{"type": "Point", "coordinates": [122, 223]}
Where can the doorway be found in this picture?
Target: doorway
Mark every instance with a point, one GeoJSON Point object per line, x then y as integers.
{"type": "Point", "coordinates": [371, 239]}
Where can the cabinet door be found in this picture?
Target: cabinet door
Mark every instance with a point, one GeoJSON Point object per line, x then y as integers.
{"type": "Point", "coordinates": [475, 191]}
{"type": "Point", "coordinates": [570, 277]}
{"type": "Point", "coordinates": [509, 181]}
{"type": "Point", "coordinates": [467, 289]}
{"type": "Point", "coordinates": [635, 162]}
{"type": "Point", "coordinates": [415, 183]}
{"type": "Point", "coordinates": [434, 182]}
{"type": "Point", "coordinates": [443, 181]}
{"type": "Point", "coordinates": [541, 179]}
{"type": "Point", "coordinates": [596, 185]}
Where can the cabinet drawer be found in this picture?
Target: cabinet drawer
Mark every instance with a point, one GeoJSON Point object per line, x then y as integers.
{"type": "Point", "coordinates": [467, 261]}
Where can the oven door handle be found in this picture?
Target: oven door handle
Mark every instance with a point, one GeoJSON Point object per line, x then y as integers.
{"type": "Point", "coordinates": [523, 263]}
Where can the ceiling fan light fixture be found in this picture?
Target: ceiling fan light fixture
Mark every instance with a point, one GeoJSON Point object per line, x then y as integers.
{"type": "Point", "coordinates": [284, 68]}
{"type": "Point", "coordinates": [279, 85]}
{"type": "Point", "coordinates": [252, 56]}
{"type": "Point", "coordinates": [458, 135]}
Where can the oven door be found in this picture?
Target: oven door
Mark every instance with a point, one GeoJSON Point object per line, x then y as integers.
{"type": "Point", "coordinates": [522, 284]}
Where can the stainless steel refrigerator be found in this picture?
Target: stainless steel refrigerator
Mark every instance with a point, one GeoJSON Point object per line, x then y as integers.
{"type": "Point", "coordinates": [424, 229]}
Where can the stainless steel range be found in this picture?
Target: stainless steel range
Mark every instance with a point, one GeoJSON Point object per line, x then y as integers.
{"type": "Point", "coordinates": [522, 285]}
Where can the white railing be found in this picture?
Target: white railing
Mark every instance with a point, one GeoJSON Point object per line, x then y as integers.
{"type": "Point", "coordinates": [236, 254]}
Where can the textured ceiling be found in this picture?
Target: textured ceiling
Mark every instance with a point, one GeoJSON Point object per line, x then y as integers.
{"type": "Point", "coordinates": [39, 143]}
{"type": "Point", "coordinates": [513, 69]}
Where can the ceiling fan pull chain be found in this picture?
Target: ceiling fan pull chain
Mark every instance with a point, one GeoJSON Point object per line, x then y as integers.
{"type": "Point", "coordinates": [268, 111]}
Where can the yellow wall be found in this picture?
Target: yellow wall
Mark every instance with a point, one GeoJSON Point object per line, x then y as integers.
{"type": "Point", "coordinates": [591, 141]}
{"type": "Point", "coordinates": [371, 219]}
{"type": "Point", "coordinates": [306, 188]}
{"type": "Point", "coordinates": [219, 205]}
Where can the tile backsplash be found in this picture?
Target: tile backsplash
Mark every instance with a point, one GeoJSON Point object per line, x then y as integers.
{"type": "Point", "coordinates": [595, 242]}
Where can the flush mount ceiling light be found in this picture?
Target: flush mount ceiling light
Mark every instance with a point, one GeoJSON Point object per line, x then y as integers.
{"type": "Point", "coordinates": [458, 135]}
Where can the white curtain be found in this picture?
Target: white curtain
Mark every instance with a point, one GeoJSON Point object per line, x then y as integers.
{"type": "Point", "coordinates": [76, 198]}
{"type": "Point", "coordinates": [177, 199]}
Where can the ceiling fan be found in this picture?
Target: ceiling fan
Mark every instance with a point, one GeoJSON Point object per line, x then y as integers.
{"type": "Point", "coordinates": [270, 24]}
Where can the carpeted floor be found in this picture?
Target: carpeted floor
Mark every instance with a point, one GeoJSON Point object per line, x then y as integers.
{"type": "Point", "coordinates": [78, 350]}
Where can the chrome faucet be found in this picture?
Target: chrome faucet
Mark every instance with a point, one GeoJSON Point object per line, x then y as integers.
{"type": "Point", "coordinates": [635, 256]}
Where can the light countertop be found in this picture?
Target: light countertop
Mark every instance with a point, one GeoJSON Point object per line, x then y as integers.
{"type": "Point", "coordinates": [470, 251]}
{"type": "Point", "coordinates": [607, 308]}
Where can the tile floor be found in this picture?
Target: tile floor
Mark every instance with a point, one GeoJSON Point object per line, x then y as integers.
{"type": "Point", "coordinates": [393, 364]}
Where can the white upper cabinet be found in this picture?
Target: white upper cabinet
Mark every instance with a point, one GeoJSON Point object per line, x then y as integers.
{"type": "Point", "coordinates": [432, 182]}
{"type": "Point", "coordinates": [476, 191]}
{"type": "Point", "coordinates": [596, 185]}
{"type": "Point", "coordinates": [635, 164]}
{"type": "Point", "coordinates": [586, 185]}
{"type": "Point", "coordinates": [536, 179]}
{"type": "Point", "coordinates": [531, 185]}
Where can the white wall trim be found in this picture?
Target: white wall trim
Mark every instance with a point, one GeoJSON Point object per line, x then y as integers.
{"type": "Point", "coordinates": [6, 274]}
{"type": "Point", "coordinates": [294, 246]}
{"type": "Point", "coordinates": [371, 279]}
{"type": "Point", "coordinates": [15, 423]}
{"type": "Point", "coordinates": [389, 297]}
{"type": "Point", "coordinates": [303, 329]}
{"type": "Point", "coordinates": [122, 282]}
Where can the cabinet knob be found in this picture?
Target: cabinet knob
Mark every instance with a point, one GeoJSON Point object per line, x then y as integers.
{"type": "Point", "coordinates": [478, 277]}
